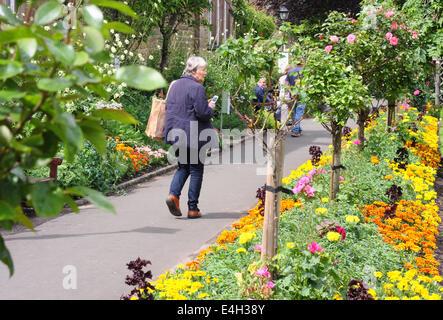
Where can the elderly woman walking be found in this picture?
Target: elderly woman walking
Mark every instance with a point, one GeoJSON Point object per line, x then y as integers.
{"type": "Point", "coordinates": [189, 129]}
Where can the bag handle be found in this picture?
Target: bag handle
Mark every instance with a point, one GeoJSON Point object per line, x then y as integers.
{"type": "Point", "coordinates": [166, 98]}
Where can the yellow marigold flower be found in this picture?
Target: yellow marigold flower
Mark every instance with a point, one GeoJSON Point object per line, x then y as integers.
{"type": "Point", "coordinates": [374, 160]}
{"type": "Point", "coordinates": [394, 275]}
{"type": "Point", "coordinates": [337, 296]}
{"type": "Point", "coordinates": [240, 250]}
{"type": "Point", "coordinates": [203, 295]}
{"type": "Point", "coordinates": [333, 236]}
{"type": "Point", "coordinates": [290, 245]}
{"type": "Point", "coordinates": [372, 293]}
{"type": "Point", "coordinates": [352, 219]}
{"type": "Point", "coordinates": [320, 211]}
{"type": "Point", "coordinates": [246, 237]}
{"type": "Point", "coordinates": [324, 200]}
{"type": "Point", "coordinates": [388, 177]}
{"type": "Point", "coordinates": [378, 274]}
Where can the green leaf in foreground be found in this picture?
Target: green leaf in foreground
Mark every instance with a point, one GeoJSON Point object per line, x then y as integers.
{"type": "Point", "coordinates": [47, 199]}
{"type": "Point", "coordinates": [5, 257]}
{"type": "Point", "coordinates": [93, 196]}
{"type": "Point", "coordinates": [123, 8]}
{"type": "Point", "coordinates": [48, 12]}
{"type": "Point", "coordinates": [112, 114]}
{"type": "Point", "coordinates": [141, 77]}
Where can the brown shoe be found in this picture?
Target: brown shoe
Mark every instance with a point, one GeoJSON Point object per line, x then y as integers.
{"type": "Point", "coordinates": [173, 204]}
{"type": "Point", "coordinates": [194, 214]}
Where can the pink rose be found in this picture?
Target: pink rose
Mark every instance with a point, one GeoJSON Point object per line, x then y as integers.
{"type": "Point", "coordinates": [388, 36]}
{"type": "Point", "coordinates": [328, 48]}
{"type": "Point", "coordinates": [416, 92]}
{"type": "Point", "coordinates": [351, 38]}
{"type": "Point", "coordinates": [389, 14]}
{"type": "Point", "coordinates": [270, 284]}
{"type": "Point", "coordinates": [257, 248]}
{"type": "Point", "coordinates": [334, 38]}
{"type": "Point", "coordinates": [394, 25]}
{"type": "Point", "coordinates": [356, 142]}
{"type": "Point", "coordinates": [393, 41]}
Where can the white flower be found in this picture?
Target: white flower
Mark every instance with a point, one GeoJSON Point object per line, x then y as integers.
{"type": "Point", "coordinates": [151, 57]}
{"type": "Point", "coordinates": [113, 50]}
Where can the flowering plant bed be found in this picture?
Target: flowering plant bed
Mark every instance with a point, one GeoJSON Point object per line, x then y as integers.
{"type": "Point", "coordinates": [376, 241]}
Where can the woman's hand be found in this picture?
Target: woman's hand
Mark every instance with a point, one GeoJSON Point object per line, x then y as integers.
{"type": "Point", "coordinates": [211, 104]}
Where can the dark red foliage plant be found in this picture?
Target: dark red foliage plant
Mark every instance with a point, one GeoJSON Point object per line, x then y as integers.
{"type": "Point", "coordinates": [139, 279]}
{"type": "Point", "coordinates": [358, 290]}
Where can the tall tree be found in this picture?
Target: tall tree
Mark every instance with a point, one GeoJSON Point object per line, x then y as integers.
{"type": "Point", "coordinates": [168, 15]}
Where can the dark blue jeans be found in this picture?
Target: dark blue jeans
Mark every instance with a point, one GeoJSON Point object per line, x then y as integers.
{"type": "Point", "coordinates": [186, 169]}
{"type": "Point", "coordinates": [299, 111]}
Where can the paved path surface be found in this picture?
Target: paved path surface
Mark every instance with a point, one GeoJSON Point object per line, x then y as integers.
{"type": "Point", "coordinates": [95, 246]}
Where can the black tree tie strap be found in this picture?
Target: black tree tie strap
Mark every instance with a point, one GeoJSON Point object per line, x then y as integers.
{"type": "Point", "coordinates": [278, 189]}
{"type": "Point", "coordinates": [338, 167]}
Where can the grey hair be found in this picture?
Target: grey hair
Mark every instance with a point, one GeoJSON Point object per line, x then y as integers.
{"type": "Point", "coordinates": [192, 65]}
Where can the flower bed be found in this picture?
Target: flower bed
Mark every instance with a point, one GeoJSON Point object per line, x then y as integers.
{"type": "Point", "coordinates": [377, 243]}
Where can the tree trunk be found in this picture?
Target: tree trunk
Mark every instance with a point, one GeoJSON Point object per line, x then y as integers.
{"type": "Point", "coordinates": [196, 41]}
{"type": "Point", "coordinates": [336, 159]}
{"type": "Point", "coordinates": [272, 203]}
{"type": "Point", "coordinates": [391, 114]}
{"type": "Point", "coordinates": [164, 51]}
{"type": "Point", "coordinates": [362, 117]}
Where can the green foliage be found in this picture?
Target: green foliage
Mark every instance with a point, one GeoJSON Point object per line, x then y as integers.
{"type": "Point", "coordinates": [38, 63]}
{"type": "Point", "coordinates": [249, 19]}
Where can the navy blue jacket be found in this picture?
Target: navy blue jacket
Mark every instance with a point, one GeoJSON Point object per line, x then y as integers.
{"type": "Point", "coordinates": [293, 74]}
{"type": "Point", "coordinates": [188, 111]}
{"type": "Point", "coordinates": [260, 94]}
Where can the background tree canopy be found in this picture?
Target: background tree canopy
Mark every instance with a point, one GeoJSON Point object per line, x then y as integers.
{"type": "Point", "coordinates": [310, 9]}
